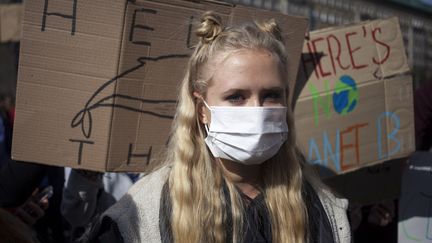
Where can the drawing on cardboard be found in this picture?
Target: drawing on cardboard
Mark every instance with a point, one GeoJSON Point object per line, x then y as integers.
{"type": "Point", "coordinates": [84, 118]}
{"type": "Point", "coordinates": [72, 16]}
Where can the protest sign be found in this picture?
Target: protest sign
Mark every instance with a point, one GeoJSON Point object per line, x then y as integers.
{"type": "Point", "coordinates": [98, 80]}
{"type": "Point", "coordinates": [354, 97]}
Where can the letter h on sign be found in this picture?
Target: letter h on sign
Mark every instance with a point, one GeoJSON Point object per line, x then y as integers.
{"type": "Point", "coordinates": [72, 16]}
{"type": "Point", "coordinates": [132, 155]}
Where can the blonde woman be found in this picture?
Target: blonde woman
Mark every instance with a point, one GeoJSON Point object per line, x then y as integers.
{"type": "Point", "coordinates": [233, 173]}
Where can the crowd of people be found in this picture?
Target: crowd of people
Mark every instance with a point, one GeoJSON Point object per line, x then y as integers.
{"type": "Point", "coordinates": [232, 171]}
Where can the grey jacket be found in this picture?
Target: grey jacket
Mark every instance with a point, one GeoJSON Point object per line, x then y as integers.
{"type": "Point", "coordinates": [137, 213]}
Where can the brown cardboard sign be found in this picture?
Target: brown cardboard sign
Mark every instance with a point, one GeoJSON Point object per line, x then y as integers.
{"type": "Point", "coordinates": [10, 22]}
{"type": "Point", "coordinates": [98, 80]}
{"type": "Point", "coordinates": [355, 103]}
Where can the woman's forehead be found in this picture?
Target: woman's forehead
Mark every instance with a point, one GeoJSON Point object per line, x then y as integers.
{"type": "Point", "coordinates": [223, 56]}
{"type": "Point", "coordinates": [246, 68]}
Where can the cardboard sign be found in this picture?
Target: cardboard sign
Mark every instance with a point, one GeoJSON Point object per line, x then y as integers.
{"type": "Point", "coordinates": [98, 80]}
{"type": "Point", "coordinates": [355, 104]}
{"type": "Point", "coordinates": [415, 204]}
{"type": "Point", "coordinates": [10, 22]}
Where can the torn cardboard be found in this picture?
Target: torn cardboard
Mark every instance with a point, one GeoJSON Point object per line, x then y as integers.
{"type": "Point", "coordinates": [10, 22]}
{"type": "Point", "coordinates": [98, 80]}
{"type": "Point", "coordinates": [355, 101]}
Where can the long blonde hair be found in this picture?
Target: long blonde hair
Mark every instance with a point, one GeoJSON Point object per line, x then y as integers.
{"type": "Point", "coordinates": [196, 180]}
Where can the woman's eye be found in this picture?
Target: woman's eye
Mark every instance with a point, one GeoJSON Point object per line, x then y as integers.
{"type": "Point", "coordinates": [273, 96]}
{"type": "Point", "coordinates": [235, 98]}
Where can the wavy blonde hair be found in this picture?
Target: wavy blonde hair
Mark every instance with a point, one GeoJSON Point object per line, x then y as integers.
{"type": "Point", "coordinates": [196, 180]}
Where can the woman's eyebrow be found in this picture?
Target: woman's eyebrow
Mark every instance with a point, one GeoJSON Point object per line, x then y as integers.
{"type": "Point", "coordinates": [233, 91]}
{"type": "Point", "coordinates": [274, 89]}
{"type": "Point", "coordinates": [236, 90]}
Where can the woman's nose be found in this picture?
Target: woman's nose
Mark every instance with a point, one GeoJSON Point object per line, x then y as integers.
{"type": "Point", "coordinates": [255, 101]}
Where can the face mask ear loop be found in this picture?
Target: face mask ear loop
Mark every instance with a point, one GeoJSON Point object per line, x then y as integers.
{"type": "Point", "coordinates": [205, 125]}
{"type": "Point", "coordinates": [205, 103]}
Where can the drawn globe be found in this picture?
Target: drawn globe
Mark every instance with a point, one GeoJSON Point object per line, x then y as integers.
{"type": "Point", "coordinates": [345, 96]}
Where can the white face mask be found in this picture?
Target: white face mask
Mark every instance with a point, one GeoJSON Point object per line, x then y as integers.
{"type": "Point", "coordinates": [247, 135]}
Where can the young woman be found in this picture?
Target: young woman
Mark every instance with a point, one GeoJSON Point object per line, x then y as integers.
{"type": "Point", "coordinates": [233, 173]}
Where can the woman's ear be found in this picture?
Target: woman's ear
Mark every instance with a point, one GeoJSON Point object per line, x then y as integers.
{"type": "Point", "coordinates": [201, 108]}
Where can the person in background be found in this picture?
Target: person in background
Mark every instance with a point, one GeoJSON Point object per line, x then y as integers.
{"type": "Point", "coordinates": [7, 104]}
{"type": "Point", "coordinates": [423, 116]}
{"type": "Point", "coordinates": [19, 181]}
{"type": "Point", "coordinates": [87, 194]}
{"type": "Point", "coordinates": [232, 171]}
{"type": "Point", "coordinates": [6, 123]}
{"type": "Point", "coordinates": [33, 209]}
{"type": "Point", "coordinates": [3, 146]}
{"type": "Point", "coordinates": [374, 223]}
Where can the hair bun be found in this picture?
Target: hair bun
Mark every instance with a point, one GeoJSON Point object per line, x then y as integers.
{"type": "Point", "coordinates": [270, 26]}
{"type": "Point", "coordinates": [210, 28]}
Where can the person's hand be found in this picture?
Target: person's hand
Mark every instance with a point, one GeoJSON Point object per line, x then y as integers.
{"type": "Point", "coordinates": [32, 210]}
{"type": "Point", "coordinates": [382, 213]}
